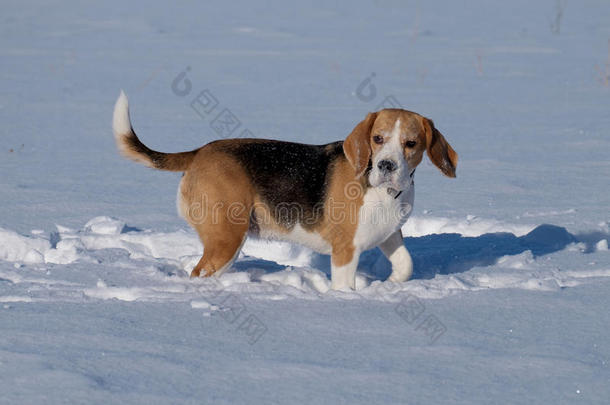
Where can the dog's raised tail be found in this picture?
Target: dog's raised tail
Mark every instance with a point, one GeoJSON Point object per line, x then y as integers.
{"type": "Point", "coordinates": [132, 148]}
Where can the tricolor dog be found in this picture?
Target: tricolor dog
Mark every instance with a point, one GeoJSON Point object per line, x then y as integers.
{"type": "Point", "coordinates": [339, 199]}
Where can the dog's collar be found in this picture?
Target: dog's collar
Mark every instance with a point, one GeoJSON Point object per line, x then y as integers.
{"type": "Point", "coordinates": [394, 193]}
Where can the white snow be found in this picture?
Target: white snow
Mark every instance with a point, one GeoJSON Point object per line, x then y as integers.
{"type": "Point", "coordinates": [510, 293]}
{"type": "Point", "coordinates": [295, 268]}
{"type": "Point", "coordinates": [14, 247]}
{"type": "Point", "coordinates": [105, 226]}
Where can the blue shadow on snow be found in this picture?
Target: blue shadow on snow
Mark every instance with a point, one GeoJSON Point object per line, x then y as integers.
{"type": "Point", "coordinates": [451, 252]}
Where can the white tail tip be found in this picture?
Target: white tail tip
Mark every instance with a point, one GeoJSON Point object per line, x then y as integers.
{"type": "Point", "coordinates": [121, 124]}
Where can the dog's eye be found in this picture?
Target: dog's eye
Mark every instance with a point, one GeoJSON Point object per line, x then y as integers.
{"type": "Point", "coordinates": [378, 139]}
{"type": "Point", "coordinates": [411, 144]}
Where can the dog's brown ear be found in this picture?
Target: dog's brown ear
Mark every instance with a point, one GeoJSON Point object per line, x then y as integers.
{"type": "Point", "coordinates": [439, 151]}
{"type": "Point", "coordinates": [357, 147]}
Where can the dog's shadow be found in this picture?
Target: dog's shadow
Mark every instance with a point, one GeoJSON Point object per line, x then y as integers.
{"type": "Point", "coordinates": [453, 253]}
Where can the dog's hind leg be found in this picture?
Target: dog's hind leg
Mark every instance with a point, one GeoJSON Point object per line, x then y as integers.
{"type": "Point", "coordinates": [216, 198]}
{"type": "Point", "coordinates": [220, 249]}
{"type": "Point", "coordinates": [222, 243]}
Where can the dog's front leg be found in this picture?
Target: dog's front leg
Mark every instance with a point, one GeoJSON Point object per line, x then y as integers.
{"type": "Point", "coordinates": [396, 252]}
{"type": "Point", "coordinates": [343, 269]}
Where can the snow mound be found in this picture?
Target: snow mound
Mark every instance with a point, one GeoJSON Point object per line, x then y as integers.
{"type": "Point", "coordinates": [469, 226]}
{"type": "Point", "coordinates": [17, 248]}
{"type": "Point", "coordinates": [134, 265]}
{"type": "Point", "coordinates": [105, 226]}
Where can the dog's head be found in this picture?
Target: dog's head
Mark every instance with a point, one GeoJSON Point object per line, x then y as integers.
{"type": "Point", "coordinates": [391, 143]}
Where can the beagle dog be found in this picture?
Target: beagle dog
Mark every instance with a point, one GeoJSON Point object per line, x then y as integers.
{"type": "Point", "coordinates": [341, 198]}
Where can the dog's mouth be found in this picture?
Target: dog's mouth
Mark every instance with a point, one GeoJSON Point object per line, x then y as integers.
{"type": "Point", "coordinates": [397, 180]}
{"type": "Point", "coordinates": [392, 185]}
{"type": "Point", "coordinates": [396, 186]}
{"type": "Point", "coordinates": [390, 181]}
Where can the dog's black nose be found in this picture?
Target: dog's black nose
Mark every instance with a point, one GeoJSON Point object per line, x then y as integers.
{"type": "Point", "coordinates": [386, 166]}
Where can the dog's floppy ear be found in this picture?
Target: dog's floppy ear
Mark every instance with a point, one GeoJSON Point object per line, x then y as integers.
{"type": "Point", "coordinates": [357, 147]}
{"type": "Point", "coordinates": [439, 151]}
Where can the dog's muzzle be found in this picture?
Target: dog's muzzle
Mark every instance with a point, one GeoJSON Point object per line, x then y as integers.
{"type": "Point", "coordinates": [387, 166]}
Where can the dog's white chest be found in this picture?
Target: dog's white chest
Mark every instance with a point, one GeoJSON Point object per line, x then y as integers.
{"type": "Point", "coordinates": [381, 215]}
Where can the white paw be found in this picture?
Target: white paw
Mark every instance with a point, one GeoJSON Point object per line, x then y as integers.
{"type": "Point", "coordinates": [341, 287]}
{"type": "Point", "coordinates": [399, 277]}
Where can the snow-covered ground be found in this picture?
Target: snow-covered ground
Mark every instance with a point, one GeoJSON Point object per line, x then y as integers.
{"type": "Point", "coordinates": [510, 297]}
